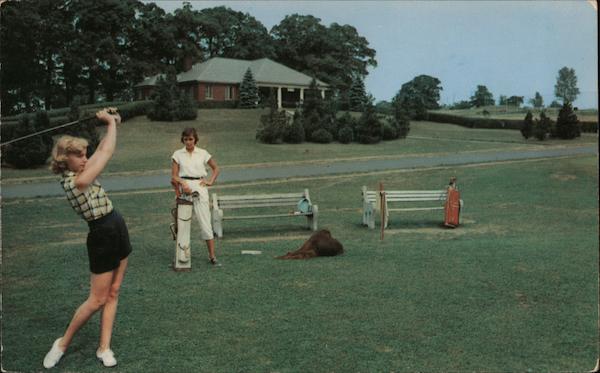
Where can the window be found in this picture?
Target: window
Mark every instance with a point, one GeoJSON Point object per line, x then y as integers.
{"type": "Point", "coordinates": [229, 92]}
{"type": "Point", "coordinates": [208, 93]}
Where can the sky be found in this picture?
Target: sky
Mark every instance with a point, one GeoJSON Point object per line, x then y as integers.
{"type": "Point", "coordinates": [511, 47]}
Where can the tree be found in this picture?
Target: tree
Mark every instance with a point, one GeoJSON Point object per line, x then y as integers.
{"type": "Point", "coordinates": [515, 101]}
{"type": "Point", "coordinates": [527, 128]}
{"type": "Point", "coordinates": [248, 91]}
{"type": "Point", "coordinates": [357, 96]}
{"type": "Point", "coordinates": [294, 133]}
{"type": "Point", "coordinates": [567, 123]}
{"type": "Point", "coordinates": [537, 101]}
{"type": "Point", "coordinates": [169, 102]}
{"type": "Point", "coordinates": [542, 127]}
{"type": "Point", "coordinates": [369, 129]}
{"type": "Point", "coordinates": [502, 100]}
{"type": "Point", "coordinates": [566, 85]}
{"type": "Point", "coordinates": [313, 110]}
{"type": "Point", "coordinates": [333, 54]}
{"type": "Point", "coordinates": [419, 95]}
{"type": "Point", "coordinates": [482, 97]}
{"type": "Point", "coordinates": [272, 125]}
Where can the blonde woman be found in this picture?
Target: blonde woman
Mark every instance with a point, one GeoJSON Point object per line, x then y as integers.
{"type": "Point", "coordinates": [108, 243]}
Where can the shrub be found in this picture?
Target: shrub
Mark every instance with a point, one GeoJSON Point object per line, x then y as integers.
{"type": "Point", "coordinates": [232, 104]}
{"type": "Point", "coordinates": [369, 129]}
{"type": "Point", "coordinates": [272, 125]}
{"type": "Point", "coordinates": [567, 124]}
{"type": "Point", "coordinates": [169, 103]}
{"type": "Point", "coordinates": [389, 130]}
{"type": "Point", "coordinates": [345, 135]}
{"type": "Point", "coordinates": [186, 109]}
{"type": "Point", "coordinates": [33, 151]}
{"type": "Point", "coordinates": [294, 133]}
{"type": "Point", "coordinates": [527, 128]}
{"type": "Point", "coordinates": [321, 136]}
{"type": "Point", "coordinates": [542, 127]}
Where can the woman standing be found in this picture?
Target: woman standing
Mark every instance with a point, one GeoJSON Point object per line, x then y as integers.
{"type": "Point", "coordinates": [188, 172]}
{"type": "Point", "coordinates": [108, 243]}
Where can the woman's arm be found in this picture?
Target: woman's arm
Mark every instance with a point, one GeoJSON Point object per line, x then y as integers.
{"type": "Point", "coordinates": [176, 180]}
{"type": "Point", "coordinates": [214, 174]}
{"type": "Point", "coordinates": [95, 165]}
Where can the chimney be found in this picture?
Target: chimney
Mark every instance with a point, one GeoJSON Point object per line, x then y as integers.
{"type": "Point", "coordinates": [187, 63]}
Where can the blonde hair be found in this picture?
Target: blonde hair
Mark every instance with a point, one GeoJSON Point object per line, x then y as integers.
{"type": "Point", "coordinates": [64, 146]}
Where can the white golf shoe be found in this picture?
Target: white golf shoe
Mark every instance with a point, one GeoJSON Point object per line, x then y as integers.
{"type": "Point", "coordinates": [107, 357]}
{"type": "Point", "coordinates": [53, 356]}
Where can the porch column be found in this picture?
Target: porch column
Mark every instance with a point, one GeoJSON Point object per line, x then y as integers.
{"type": "Point", "coordinates": [301, 94]}
{"type": "Point", "coordinates": [279, 98]}
{"type": "Point", "coordinates": [323, 94]}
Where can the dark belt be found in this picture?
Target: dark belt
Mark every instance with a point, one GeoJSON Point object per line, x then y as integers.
{"type": "Point", "coordinates": [191, 178]}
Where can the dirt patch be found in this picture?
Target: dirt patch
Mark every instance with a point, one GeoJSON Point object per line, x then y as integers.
{"type": "Point", "coordinates": [263, 239]}
{"type": "Point", "coordinates": [439, 232]}
{"type": "Point", "coordinates": [522, 299]}
{"type": "Point", "coordinates": [563, 177]}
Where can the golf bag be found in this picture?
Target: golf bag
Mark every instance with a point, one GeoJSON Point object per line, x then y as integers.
{"type": "Point", "coordinates": [181, 230]}
{"type": "Point", "coordinates": [452, 208]}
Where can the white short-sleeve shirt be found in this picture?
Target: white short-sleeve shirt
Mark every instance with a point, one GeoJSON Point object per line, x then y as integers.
{"type": "Point", "coordinates": [192, 164]}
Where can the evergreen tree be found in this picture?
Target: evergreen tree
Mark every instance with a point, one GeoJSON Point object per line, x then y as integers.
{"type": "Point", "coordinates": [370, 128]}
{"type": "Point", "coordinates": [357, 96]}
{"type": "Point", "coordinates": [248, 91]}
{"type": "Point", "coordinates": [294, 133]}
{"type": "Point", "coordinates": [170, 103]}
{"type": "Point", "coordinates": [273, 124]}
{"type": "Point", "coordinates": [542, 127]}
{"type": "Point", "coordinates": [165, 99]}
{"type": "Point", "coordinates": [527, 128]}
{"type": "Point", "coordinates": [313, 110]}
{"type": "Point", "coordinates": [567, 123]}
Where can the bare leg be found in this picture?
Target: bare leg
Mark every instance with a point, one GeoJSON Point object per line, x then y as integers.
{"type": "Point", "coordinates": [109, 311]}
{"type": "Point", "coordinates": [210, 244]}
{"type": "Point", "coordinates": [99, 289]}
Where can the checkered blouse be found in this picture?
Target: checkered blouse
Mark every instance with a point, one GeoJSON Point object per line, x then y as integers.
{"type": "Point", "coordinates": [91, 204]}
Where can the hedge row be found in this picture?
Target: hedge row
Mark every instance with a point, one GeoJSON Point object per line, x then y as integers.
{"type": "Point", "coordinates": [490, 123]}
{"type": "Point", "coordinates": [126, 110]}
{"type": "Point", "coordinates": [218, 104]}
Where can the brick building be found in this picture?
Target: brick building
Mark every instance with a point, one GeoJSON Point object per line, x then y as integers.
{"type": "Point", "coordinates": [219, 79]}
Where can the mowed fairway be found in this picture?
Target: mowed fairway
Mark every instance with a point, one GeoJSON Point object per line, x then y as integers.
{"type": "Point", "coordinates": [146, 147]}
{"type": "Point", "coordinates": [515, 288]}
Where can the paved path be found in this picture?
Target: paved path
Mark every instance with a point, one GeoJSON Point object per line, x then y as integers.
{"type": "Point", "coordinates": [116, 183]}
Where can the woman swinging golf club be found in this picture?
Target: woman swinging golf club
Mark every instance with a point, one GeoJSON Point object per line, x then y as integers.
{"type": "Point", "coordinates": [108, 240]}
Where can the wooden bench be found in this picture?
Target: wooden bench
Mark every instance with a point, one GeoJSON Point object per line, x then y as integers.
{"type": "Point", "coordinates": [415, 197]}
{"type": "Point", "coordinates": [301, 203]}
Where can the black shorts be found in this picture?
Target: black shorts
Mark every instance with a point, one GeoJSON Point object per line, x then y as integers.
{"type": "Point", "coordinates": [107, 242]}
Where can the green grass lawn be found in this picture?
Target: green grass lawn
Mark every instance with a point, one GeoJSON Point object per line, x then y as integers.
{"type": "Point", "coordinates": [146, 146]}
{"type": "Point", "coordinates": [507, 112]}
{"type": "Point", "coordinates": [515, 288]}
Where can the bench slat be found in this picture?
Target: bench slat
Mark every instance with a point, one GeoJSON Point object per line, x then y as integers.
{"type": "Point", "coordinates": [263, 216]}
{"type": "Point", "coordinates": [415, 199]}
{"type": "Point", "coordinates": [242, 202]}
{"type": "Point", "coordinates": [256, 204]}
{"type": "Point", "coordinates": [417, 209]}
{"type": "Point", "coordinates": [297, 196]}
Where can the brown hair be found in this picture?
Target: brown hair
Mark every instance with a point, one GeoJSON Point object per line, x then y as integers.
{"type": "Point", "coordinates": [190, 132]}
{"type": "Point", "coordinates": [64, 146]}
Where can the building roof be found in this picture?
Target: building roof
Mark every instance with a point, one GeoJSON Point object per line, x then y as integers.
{"type": "Point", "coordinates": [228, 70]}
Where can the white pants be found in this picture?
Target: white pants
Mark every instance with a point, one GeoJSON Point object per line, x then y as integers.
{"type": "Point", "coordinates": [201, 208]}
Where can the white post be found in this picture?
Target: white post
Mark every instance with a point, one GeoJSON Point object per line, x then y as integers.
{"type": "Point", "coordinates": [323, 94]}
{"type": "Point", "coordinates": [301, 94]}
{"type": "Point", "coordinates": [279, 98]}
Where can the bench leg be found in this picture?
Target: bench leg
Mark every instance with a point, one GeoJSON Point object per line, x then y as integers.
{"type": "Point", "coordinates": [217, 222]}
{"type": "Point", "coordinates": [312, 220]}
{"type": "Point", "coordinates": [370, 216]}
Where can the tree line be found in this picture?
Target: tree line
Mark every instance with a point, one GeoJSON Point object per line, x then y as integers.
{"type": "Point", "coordinates": [54, 51]}
{"type": "Point", "coordinates": [565, 90]}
